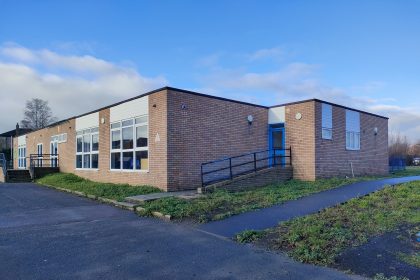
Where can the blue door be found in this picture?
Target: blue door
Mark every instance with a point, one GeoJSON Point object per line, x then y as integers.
{"type": "Point", "coordinates": [277, 144]}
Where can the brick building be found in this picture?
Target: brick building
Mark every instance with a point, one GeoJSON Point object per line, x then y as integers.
{"type": "Point", "coordinates": [161, 138]}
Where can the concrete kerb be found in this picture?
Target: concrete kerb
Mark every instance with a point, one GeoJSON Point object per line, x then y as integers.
{"type": "Point", "coordinates": [123, 205]}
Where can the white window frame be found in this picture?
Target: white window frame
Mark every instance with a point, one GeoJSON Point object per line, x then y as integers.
{"type": "Point", "coordinates": [22, 157]}
{"type": "Point", "coordinates": [39, 153]}
{"type": "Point", "coordinates": [90, 132]}
{"type": "Point", "coordinates": [134, 149]}
{"type": "Point", "coordinates": [327, 128]}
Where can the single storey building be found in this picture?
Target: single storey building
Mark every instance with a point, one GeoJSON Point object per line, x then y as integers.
{"type": "Point", "coordinates": [162, 138]}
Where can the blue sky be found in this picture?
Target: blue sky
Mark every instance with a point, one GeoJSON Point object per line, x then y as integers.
{"type": "Point", "coordinates": [357, 53]}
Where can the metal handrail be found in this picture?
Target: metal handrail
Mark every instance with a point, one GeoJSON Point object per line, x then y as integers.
{"type": "Point", "coordinates": [273, 160]}
{"type": "Point", "coordinates": [38, 160]}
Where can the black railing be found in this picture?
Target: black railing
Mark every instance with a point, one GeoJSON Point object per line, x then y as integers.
{"type": "Point", "coordinates": [44, 160]}
{"type": "Point", "coordinates": [229, 168]}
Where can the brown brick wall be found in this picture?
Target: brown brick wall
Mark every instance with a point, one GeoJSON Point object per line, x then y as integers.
{"type": "Point", "coordinates": [209, 129]}
{"type": "Point", "coordinates": [332, 158]}
{"type": "Point", "coordinates": [66, 150]}
{"type": "Point", "coordinates": [2, 176]}
{"type": "Point", "coordinates": [300, 136]}
{"type": "Point", "coordinates": [194, 129]}
{"type": "Point", "coordinates": [157, 175]}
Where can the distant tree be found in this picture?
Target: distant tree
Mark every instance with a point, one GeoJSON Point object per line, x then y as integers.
{"type": "Point", "coordinates": [398, 146]}
{"type": "Point", "coordinates": [37, 114]}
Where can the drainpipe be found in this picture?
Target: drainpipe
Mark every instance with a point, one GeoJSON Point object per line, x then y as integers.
{"type": "Point", "coordinates": [352, 171]}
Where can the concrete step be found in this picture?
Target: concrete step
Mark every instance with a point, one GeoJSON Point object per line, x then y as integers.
{"type": "Point", "coordinates": [140, 199]}
{"type": "Point", "coordinates": [18, 176]}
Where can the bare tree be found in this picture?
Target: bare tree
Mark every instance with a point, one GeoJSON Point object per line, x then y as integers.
{"type": "Point", "coordinates": [37, 114]}
{"type": "Point", "coordinates": [398, 146]}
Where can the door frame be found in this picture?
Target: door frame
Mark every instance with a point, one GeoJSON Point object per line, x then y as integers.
{"type": "Point", "coordinates": [53, 154]}
{"type": "Point", "coordinates": [39, 148]}
{"type": "Point", "coordinates": [22, 157]}
{"type": "Point", "coordinates": [273, 128]}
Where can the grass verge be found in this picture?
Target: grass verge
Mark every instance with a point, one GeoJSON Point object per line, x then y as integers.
{"type": "Point", "coordinates": [319, 238]}
{"type": "Point", "coordinates": [107, 190]}
{"type": "Point", "coordinates": [222, 204]}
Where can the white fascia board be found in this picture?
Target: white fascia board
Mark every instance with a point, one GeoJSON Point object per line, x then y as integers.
{"type": "Point", "coordinates": [130, 109]}
{"type": "Point", "coordinates": [277, 115]}
{"type": "Point", "coordinates": [88, 121]}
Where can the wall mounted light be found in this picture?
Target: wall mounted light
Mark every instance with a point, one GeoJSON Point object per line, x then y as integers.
{"type": "Point", "coordinates": [375, 131]}
{"type": "Point", "coordinates": [250, 119]}
{"type": "Point", "coordinates": [102, 120]}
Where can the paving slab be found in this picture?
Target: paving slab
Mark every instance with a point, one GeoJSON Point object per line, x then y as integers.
{"type": "Point", "coordinates": [272, 216]}
{"type": "Point", "coordinates": [153, 196]}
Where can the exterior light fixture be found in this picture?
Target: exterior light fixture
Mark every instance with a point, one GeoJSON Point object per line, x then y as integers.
{"type": "Point", "coordinates": [102, 120]}
{"type": "Point", "coordinates": [298, 116]}
{"type": "Point", "coordinates": [250, 119]}
{"type": "Point", "coordinates": [375, 131]}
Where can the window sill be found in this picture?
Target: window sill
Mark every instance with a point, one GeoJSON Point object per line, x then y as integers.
{"type": "Point", "coordinates": [87, 169]}
{"type": "Point", "coordinates": [129, 171]}
{"type": "Point", "coordinates": [352, 150]}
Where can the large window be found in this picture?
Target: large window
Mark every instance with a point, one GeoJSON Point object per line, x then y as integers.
{"type": "Point", "coordinates": [87, 148]}
{"type": "Point", "coordinates": [352, 130]}
{"type": "Point", "coordinates": [326, 121]}
{"type": "Point", "coordinates": [129, 144]}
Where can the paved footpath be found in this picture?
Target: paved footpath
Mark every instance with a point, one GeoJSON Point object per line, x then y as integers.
{"type": "Point", "coordinates": [271, 216]}
{"type": "Point", "coordinates": [47, 234]}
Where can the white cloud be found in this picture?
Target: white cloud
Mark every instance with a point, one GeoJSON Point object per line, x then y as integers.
{"type": "Point", "coordinates": [72, 84]}
{"type": "Point", "coordinates": [276, 53]}
{"type": "Point", "coordinates": [298, 81]}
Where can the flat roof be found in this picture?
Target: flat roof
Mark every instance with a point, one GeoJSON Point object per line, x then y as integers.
{"type": "Point", "coordinates": [330, 103]}
{"type": "Point", "coordinates": [203, 95]}
{"type": "Point", "coordinates": [22, 131]}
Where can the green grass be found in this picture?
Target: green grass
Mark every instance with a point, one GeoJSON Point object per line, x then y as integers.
{"type": "Point", "coordinates": [320, 237]}
{"type": "Point", "coordinates": [409, 171]}
{"type": "Point", "coordinates": [413, 259]}
{"type": "Point", "coordinates": [222, 204]}
{"type": "Point", "coordinates": [107, 190]}
{"type": "Point", "coordinates": [381, 276]}
{"type": "Point", "coordinates": [249, 236]}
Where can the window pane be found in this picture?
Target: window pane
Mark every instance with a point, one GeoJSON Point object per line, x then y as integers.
{"type": "Point", "coordinates": [141, 134]}
{"type": "Point", "coordinates": [127, 136]}
{"type": "Point", "coordinates": [142, 160]}
{"type": "Point", "coordinates": [115, 125]}
{"type": "Point", "coordinates": [79, 144]}
{"type": "Point", "coordinates": [86, 143]}
{"type": "Point", "coordinates": [93, 130]}
{"type": "Point", "coordinates": [86, 161]}
{"type": "Point", "coordinates": [95, 159]}
{"type": "Point", "coordinates": [115, 161]}
{"type": "Point", "coordinates": [326, 133]}
{"type": "Point", "coordinates": [141, 120]}
{"type": "Point", "coordinates": [79, 161]}
{"type": "Point", "coordinates": [95, 142]}
{"type": "Point", "coordinates": [128, 160]}
{"type": "Point", "coordinates": [116, 141]}
{"type": "Point", "coordinates": [128, 122]}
